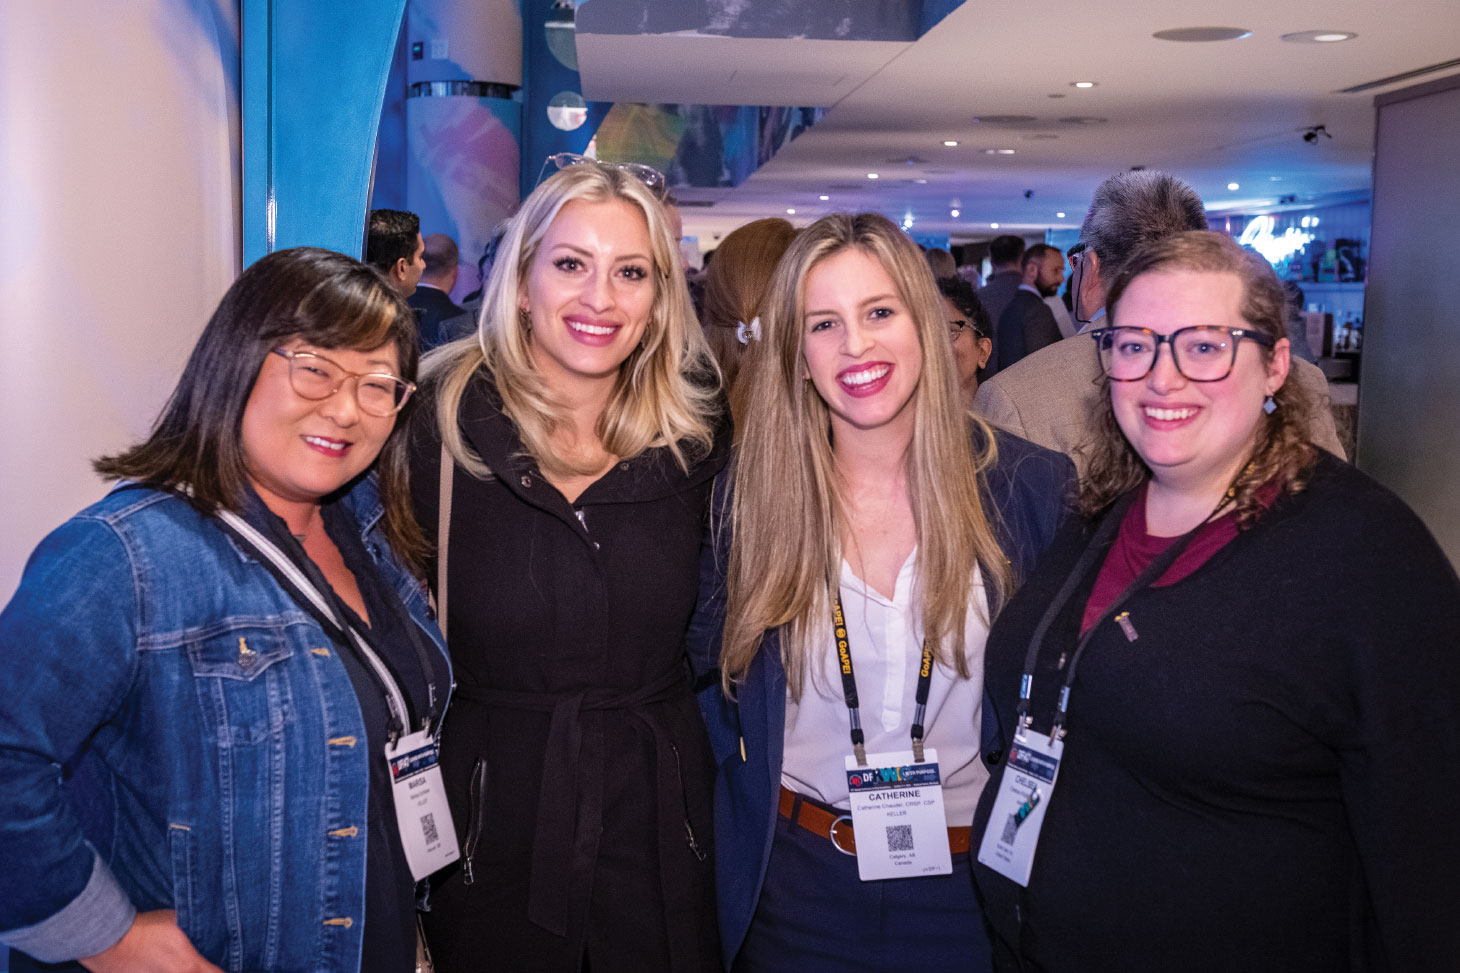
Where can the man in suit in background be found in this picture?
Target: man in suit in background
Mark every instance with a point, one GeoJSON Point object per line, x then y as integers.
{"type": "Point", "coordinates": [1028, 324]}
{"type": "Point", "coordinates": [999, 289]}
{"type": "Point", "coordinates": [393, 246]}
{"type": "Point", "coordinates": [432, 299]}
{"type": "Point", "coordinates": [1050, 396]}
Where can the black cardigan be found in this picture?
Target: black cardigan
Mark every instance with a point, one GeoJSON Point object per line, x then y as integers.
{"type": "Point", "coordinates": [1268, 778]}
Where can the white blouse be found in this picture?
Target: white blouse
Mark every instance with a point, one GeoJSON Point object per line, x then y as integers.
{"type": "Point", "coordinates": [886, 638]}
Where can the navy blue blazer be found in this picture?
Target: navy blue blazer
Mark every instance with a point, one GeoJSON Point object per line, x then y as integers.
{"type": "Point", "coordinates": [1025, 493]}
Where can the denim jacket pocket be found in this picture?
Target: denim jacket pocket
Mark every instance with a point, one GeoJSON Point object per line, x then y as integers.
{"type": "Point", "coordinates": [241, 676]}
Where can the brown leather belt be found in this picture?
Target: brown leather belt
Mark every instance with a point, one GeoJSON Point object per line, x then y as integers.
{"type": "Point", "coordinates": [837, 828]}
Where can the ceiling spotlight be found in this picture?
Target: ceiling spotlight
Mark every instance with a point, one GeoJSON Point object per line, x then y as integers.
{"type": "Point", "coordinates": [1082, 84]}
{"type": "Point", "coordinates": [950, 142]}
{"type": "Point", "coordinates": [823, 198]}
{"type": "Point", "coordinates": [1275, 178]}
{"type": "Point", "coordinates": [1200, 34]}
{"type": "Point", "coordinates": [921, 182]}
{"type": "Point", "coordinates": [993, 226]}
{"type": "Point", "coordinates": [954, 213]}
{"type": "Point", "coordinates": [1233, 186]}
{"type": "Point", "coordinates": [1059, 216]}
{"type": "Point", "coordinates": [1319, 36]}
{"type": "Point", "coordinates": [998, 151]}
{"type": "Point", "coordinates": [790, 211]}
{"type": "Point", "coordinates": [1311, 135]}
{"type": "Point", "coordinates": [871, 175]}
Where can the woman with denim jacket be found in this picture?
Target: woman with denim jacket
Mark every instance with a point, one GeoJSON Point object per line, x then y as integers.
{"type": "Point", "coordinates": [193, 749]}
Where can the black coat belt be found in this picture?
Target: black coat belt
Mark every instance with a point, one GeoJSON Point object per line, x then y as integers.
{"type": "Point", "coordinates": [564, 849]}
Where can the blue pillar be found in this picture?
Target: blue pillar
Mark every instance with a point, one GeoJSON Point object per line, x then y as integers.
{"type": "Point", "coordinates": [314, 75]}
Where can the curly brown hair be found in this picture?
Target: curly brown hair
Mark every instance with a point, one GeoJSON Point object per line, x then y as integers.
{"type": "Point", "coordinates": [1282, 455]}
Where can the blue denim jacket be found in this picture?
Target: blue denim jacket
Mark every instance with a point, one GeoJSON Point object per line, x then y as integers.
{"type": "Point", "coordinates": [214, 751]}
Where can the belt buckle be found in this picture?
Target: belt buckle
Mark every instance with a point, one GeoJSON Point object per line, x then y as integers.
{"type": "Point", "coordinates": [831, 834]}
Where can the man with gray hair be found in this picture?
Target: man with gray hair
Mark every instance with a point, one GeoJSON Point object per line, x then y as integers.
{"type": "Point", "coordinates": [1050, 396]}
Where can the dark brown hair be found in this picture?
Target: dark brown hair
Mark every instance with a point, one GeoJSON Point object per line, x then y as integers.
{"type": "Point", "coordinates": [327, 300]}
{"type": "Point", "coordinates": [1282, 455]}
{"type": "Point", "coordinates": [736, 284]}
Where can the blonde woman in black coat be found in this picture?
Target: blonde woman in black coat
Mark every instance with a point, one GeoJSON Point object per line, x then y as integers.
{"type": "Point", "coordinates": [581, 440]}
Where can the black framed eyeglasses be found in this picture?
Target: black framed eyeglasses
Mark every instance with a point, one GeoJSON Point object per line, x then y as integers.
{"type": "Point", "coordinates": [315, 377]}
{"type": "Point", "coordinates": [648, 175]}
{"type": "Point", "coordinates": [957, 326]}
{"type": "Point", "coordinates": [1201, 353]}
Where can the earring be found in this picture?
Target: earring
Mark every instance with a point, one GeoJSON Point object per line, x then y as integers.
{"type": "Point", "coordinates": [524, 319]}
{"type": "Point", "coordinates": [1269, 406]}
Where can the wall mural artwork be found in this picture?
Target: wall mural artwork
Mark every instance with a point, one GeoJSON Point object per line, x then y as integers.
{"type": "Point", "coordinates": [702, 146]}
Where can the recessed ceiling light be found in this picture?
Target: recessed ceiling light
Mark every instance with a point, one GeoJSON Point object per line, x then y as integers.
{"type": "Point", "coordinates": [1083, 120]}
{"type": "Point", "coordinates": [1004, 119]}
{"type": "Point", "coordinates": [921, 182]}
{"type": "Point", "coordinates": [1319, 36]}
{"type": "Point", "coordinates": [871, 175]}
{"type": "Point", "coordinates": [1275, 178]}
{"type": "Point", "coordinates": [790, 211]}
{"type": "Point", "coordinates": [993, 226]}
{"type": "Point", "coordinates": [1198, 34]}
{"type": "Point", "coordinates": [998, 151]}
{"type": "Point", "coordinates": [950, 142]}
{"type": "Point", "coordinates": [823, 198]}
{"type": "Point", "coordinates": [1082, 84]}
{"type": "Point", "coordinates": [1059, 216]}
{"type": "Point", "coordinates": [953, 213]}
{"type": "Point", "coordinates": [1233, 186]}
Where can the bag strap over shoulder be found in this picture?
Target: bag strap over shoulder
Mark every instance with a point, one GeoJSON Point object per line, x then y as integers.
{"type": "Point", "coordinates": [443, 531]}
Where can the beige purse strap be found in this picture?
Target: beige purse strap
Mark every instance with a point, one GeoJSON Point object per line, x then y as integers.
{"type": "Point", "coordinates": [443, 532]}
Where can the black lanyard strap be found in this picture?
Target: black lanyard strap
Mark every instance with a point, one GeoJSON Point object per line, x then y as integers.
{"type": "Point", "coordinates": [1098, 546]}
{"type": "Point", "coordinates": [849, 687]}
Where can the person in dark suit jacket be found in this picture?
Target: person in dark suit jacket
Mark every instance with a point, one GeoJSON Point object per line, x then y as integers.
{"type": "Point", "coordinates": [999, 288]}
{"type": "Point", "coordinates": [432, 298]}
{"type": "Point", "coordinates": [1027, 324]}
{"type": "Point", "coordinates": [854, 409]}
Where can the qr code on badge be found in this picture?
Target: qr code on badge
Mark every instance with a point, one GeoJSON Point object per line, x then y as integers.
{"type": "Point", "coordinates": [428, 827]}
{"type": "Point", "coordinates": [1011, 828]}
{"type": "Point", "coordinates": [899, 837]}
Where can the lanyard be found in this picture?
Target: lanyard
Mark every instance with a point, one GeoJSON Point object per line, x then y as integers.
{"type": "Point", "coordinates": [849, 687]}
{"type": "Point", "coordinates": [294, 578]}
{"type": "Point", "coordinates": [1098, 546]}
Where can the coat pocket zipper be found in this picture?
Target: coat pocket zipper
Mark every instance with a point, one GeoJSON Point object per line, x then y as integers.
{"type": "Point", "coordinates": [477, 810]}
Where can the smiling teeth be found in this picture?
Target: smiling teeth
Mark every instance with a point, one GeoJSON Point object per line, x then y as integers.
{"type": "Point", "coordinates": [337, 447]}
{"type": "Point", "coordinates": [1170, 414]}
{"type": "Point", "coordinates": [597, 329]}
{"type": "Point", "coordinates": [866, 376]}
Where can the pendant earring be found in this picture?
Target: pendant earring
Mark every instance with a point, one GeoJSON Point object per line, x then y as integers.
{"type": "Point", "coordinates": [1269, 406]}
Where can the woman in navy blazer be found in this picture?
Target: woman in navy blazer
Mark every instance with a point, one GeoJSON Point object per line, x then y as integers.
{"type": "Point", "coordinates": [853, 393]}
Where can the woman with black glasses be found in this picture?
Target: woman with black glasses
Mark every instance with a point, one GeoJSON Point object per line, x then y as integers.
{"type": "Point", "coordinates": [968, 330]}
{"type": "Point", "coordinates": [1231, 693]}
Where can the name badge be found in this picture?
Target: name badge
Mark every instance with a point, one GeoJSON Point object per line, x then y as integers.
{"type": "Point", "coordinates": [1012, 834]}
{"type": "Point", "coordinates": [426, 831]}
{"type": "Point", "coordinates": [897, 814]}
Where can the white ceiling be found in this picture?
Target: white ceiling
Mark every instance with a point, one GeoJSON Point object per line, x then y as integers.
{"type": "Point", "coordinates": [1212, 113]}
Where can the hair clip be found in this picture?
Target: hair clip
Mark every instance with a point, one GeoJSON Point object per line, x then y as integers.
{"type": "Point", "coordinates": [748, 332]}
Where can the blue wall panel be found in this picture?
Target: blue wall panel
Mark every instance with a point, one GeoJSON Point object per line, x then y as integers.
{"type": "Point", "coordinates": [314, 77]}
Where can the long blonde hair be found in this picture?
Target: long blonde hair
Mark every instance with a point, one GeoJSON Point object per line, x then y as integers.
{"type": "Point", "coordinates": [666, 390]}
{"type": "Point", "coordinates": [788, 506]}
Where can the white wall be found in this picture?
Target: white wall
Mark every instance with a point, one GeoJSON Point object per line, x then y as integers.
{"type": "Point", "coordinates": [119, 189]}
{"type": "Point", "coordinates": [1409, 384]}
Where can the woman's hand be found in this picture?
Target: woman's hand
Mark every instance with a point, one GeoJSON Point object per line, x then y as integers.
{"type": "Point", "coordinates": [154, 944]}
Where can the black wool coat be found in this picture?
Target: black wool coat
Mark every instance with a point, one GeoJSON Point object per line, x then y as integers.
{"type": "Point", "coordinates": [577, 767]}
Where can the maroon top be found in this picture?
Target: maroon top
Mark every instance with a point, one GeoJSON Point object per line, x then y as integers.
{"type": "Point", "coordinates": [1134, 549]}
